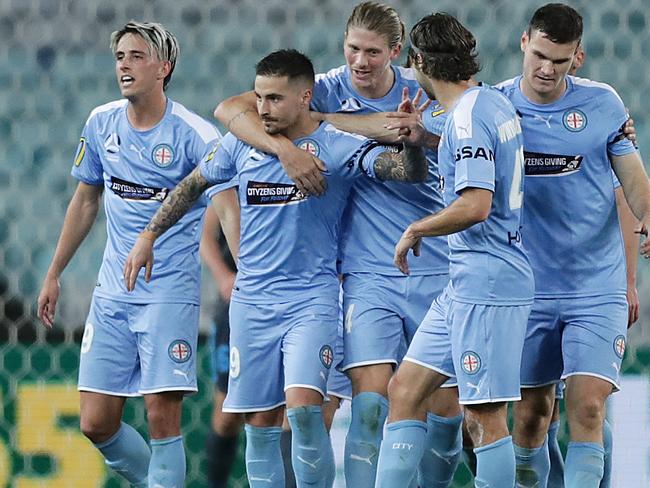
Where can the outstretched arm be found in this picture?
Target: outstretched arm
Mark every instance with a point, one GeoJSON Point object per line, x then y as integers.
{"type": "Point", "coordinates": [179, 201]}
{"type": "Point", "coordinates": [79, 218]}
{"type": "Point", "coordinates": [239, 115]}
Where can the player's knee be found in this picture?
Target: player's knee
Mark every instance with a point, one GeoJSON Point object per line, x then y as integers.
{"type": "Point", "coordinates": [227, 424]}
{"type": "Point", "coordinates": [589, 413]}
{"type": "Point", "coordinates": [98, 429]}
{"type": "Point", "coordinates": [531, 418]}
{"type": "Point", "coordinates": [164, 415]}
{"type": "Point", "coordinates": [401, 394]}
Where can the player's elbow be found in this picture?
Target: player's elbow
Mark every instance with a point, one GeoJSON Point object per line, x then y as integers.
{"type": "Point", "coordinates": [417, 173]}
{"type": "Point", "coordinates": [222, 110]}
{"type": "Point", "coordinates": [477, 213]}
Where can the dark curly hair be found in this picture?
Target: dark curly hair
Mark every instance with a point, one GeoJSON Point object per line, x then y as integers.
{"type": "Point", "coordinates": [447, 48]}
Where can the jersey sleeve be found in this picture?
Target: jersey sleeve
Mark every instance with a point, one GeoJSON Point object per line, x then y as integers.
{"type": "Point", "coordinates": [220, 187]}
{"type": "Point", "coordinates": [220, 165]}
{"type": "Point", "coordinates": [434, 118]}
{"type": "Point", "coordinates": [472, 143]}
{"type": "Point", "coordinates": [87, 165]}
{"type": "Point", "coordinates": [320, 94]}
{"type": "Point", "coordinates": [617, 143]}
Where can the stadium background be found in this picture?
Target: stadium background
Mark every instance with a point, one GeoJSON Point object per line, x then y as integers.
{"type": "Point", "coordinates": [55, 66]}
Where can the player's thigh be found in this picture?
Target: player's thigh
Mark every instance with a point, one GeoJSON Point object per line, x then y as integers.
{"type": "Point", "coordinates": [307, 345]}
{"type": "Point", "coordinates": [108, 362]}
{"type": "Point", "coordinates": [167, 335]}
{"type": "Point", "coordinates": [100, 415]}
{"type": "Point", "coordinates": [541, 362]}
{"type": "Point", "coordinates": [256, 378]}
{"type": "Point", "coordinates": [373, 327]}
{"type": "Point", "coordinates": [487, 343]}
{"type": "Point", "coordinates": [594, 338]}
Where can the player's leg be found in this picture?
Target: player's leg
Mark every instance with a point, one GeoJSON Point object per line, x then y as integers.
{"type": "Point", "coordinates": [255, 387]}
{"type": "Point", "coordinates": [427, 365]}
{"type": "Point", "coordinates": [105, 380]}
{"type": "Point", "coordinates": [373, 337]}
{"type": "Point", "coordinates": [222, 440]}
{"type": "Point", "coordinates": [308, 357]}
{"type": "Point", "coordinates": [593, 344]}
{"type": "Point", "coordinates": [486, 346]}
{"type": "Point", "coordinates": [541, 368]}
{"type": "Point", "coordinates": [167, 354]}
{"type": "Point", "coordinates": [608, 445]}
{"type": "Point", "coordinates": [556, 473]}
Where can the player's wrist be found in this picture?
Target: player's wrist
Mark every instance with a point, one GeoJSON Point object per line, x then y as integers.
{"type": "Point", "coordinates": [148, 235]}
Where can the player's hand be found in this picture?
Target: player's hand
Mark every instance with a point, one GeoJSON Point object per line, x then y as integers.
{"type": "Point", "coordinates": [141, 255]}
{"type": "Point", "coordinates": [633, 305]}
{"type": "Point", "coordinates": [226, 284]}
{"type": "Point", "coordinates": [629, 130]}
{"type": "Point", "coordinates": [305, 169]}
{"type": "Point", "coordinates": [642, 229]}
{"type": "Point", "coordinates": [47, 299]}
{"type": "Point", "coordinates": [408, 119]}
{"type": "Point", "coordinates": [406, 242]}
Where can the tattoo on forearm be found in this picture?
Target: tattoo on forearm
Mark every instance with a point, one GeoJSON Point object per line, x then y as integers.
{"type": "Point", "coordinates": [237, 116]}
{"type": "Point", "coordinates": [408, 165]}
{"type": "Point", "coordinates": [179, 201]}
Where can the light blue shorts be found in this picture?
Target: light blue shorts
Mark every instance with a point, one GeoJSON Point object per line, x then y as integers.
{"type": "Point", "coordinates": [338, 384]}
{"type": "Point", "coordinates": [382, 314]}
{"type": "Point", "coordinates": [274, 347]}
{"type": "Point", "coordinates": [575, 336]}
{"type": "Point", "coordinates": [133, 349]}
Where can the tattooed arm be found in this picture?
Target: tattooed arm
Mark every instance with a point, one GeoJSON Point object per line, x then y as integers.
{"type": "Point", "coordinates": [408, 165]}
{"type": "Point", "coordinates": [179, 201]}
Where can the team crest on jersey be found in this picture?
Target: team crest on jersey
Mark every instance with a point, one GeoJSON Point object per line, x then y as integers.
{"type": "Point", "coordinates": [81, 152]}
{"type": "Point", "coordinates": [112, 143]}
{"type": "Point", "coordinates": [162, 155]}
{"type": "Point", "coordinates": [619, 346]}
{"type": "Point", "coordinates": [470, 362]}
{"type": "Point", "coordinates": [326, 356]}
{"type": "Point", "coordinates": [574, 120]}
{"type": "Point", "coordinates": [310, 146]}
{"type": "Point", "coordinates": [180, 351]}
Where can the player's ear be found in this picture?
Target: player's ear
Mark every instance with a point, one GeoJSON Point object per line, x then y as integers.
{"type": "Point", "coordinates": [524, 41]}
{"type": "Point", "coordinates": [307, 96]}
{"type": "Point", "coordinates": [396, 51]}
{"type": "Point", "coordinates": [164, 70]}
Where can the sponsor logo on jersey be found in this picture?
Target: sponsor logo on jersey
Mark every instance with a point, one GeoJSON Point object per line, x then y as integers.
{"type": "Point", "coordinates": [541, 164]}
{"type": "Point", "coordinates": [180, 351]}
{"type": "Point", "coordinates": [112, 143]}
{"type": "Point", "coordinates": [310, 146]}
{"type": "Point", "coordinates": [132, 191]}
{"type": "Point", "coordinates": [469, 152]}
{"type": "Point", "coordinates": [326, 356]}
{"type": "Point", "coordinates": [574, 120]}
{"type": "Point", "coordinates": [437, 110]}
{"type": "Point", "coordinates": [81, 152]}
{"type": "Point", "coordinates": [264, 193]}
{"type": "Point", "coordinates": [619, 346]}
{"type": "Point", "coordinates": [162, 155]}
{"type": "Point", "coordinates": [470, 362]}
{"type": "Point", "coordinates": [350, 105]}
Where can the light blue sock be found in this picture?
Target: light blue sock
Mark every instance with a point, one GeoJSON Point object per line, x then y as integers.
{"type": "Point", "coordinates": [369, 412]}
{"type": "Point", "coordinates": [533, 466]}
{"type": "Point", "coordinates": [442, 450]}
{"type": "Point", "coordinates": [495, 464]}
{"type": "Point", "coordinates": [556, 474]}
{"type": "Point", "coordinates": [311, 448]}
{"type": "Point", "coordinates": [128, 454]}
{"type": "Point", "coordinates": [167, 465]}
{"type": "Point", "coordinates": [400, 453]}
{"type": "Point", "coordinates": [264, 465]}
{"type": "Point", "coordinates": [608, 445]}
{"type": "Point", "coordinates": [584, 465]}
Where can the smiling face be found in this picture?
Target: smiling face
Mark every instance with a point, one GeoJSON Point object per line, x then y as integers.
{"type": "Point", "coordinates": [139, 70]}
{"type": "Point", "coordinates": [368, 57]}
{"type": "Point", "coordinates": [546, 64]}
{"type": "Point", "coordinates": [281, 102]}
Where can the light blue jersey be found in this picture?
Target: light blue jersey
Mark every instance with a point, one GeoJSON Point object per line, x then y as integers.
{"type": "Point", "coordinates": [482, 147]}
{"type": "Point", "coordinates": [572, 231]}
{"type": "Point", "coordinates": [289, 242]}
{"type": "Point", "coordinates": [378, 213]}
{"type": "Point", "coordinates": [138, 169]}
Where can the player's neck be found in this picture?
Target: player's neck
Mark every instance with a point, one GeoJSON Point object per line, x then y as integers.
{"type": "Point", "coordinates": [304, 126]}
{"type": "Point", "coordinates": [145, 112]}
{"type": "Point", "coordinates": [448, 93]}
{"type": "Point", "coordinates": [542, 98]}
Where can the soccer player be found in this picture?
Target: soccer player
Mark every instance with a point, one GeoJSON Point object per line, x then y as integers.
{"type": "Point", "coordinates": [475, 330]}
{"type": "Point", "coordinates": [134, 150]}
{"type": "Point", "coordinates": [382, 307]}
{"type": "Point", "coordinates": [284, 308]}
{"type": "Point", "coordinates": [577, 327]}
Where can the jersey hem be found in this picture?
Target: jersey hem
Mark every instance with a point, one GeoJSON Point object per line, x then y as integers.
{"type": "Point", "coordinates": [108, 392]}
{"type": "Point", "coordinates": [370, 362]}
{"type": "Point", "coordinates": [594, 375]}
{"type": "Point", "coordinates": [490, 400]}
{"type": "Point", "coordinates": [429, 366]}
{"type": "Point", "coordinates": [252, 409]}
{"type": "Point", "coordinates": [143, 301]}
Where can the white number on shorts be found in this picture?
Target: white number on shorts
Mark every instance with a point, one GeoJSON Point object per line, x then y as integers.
{"type": "Point", "coordinates": [234, 362]}
{"type": "Point", "coordinates": [87, 339]}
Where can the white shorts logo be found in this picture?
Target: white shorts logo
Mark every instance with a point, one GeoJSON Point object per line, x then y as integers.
{"type": "Point", "coordinates": [234, 362]}
{"type": "Point", "coordinates": [87, 339]}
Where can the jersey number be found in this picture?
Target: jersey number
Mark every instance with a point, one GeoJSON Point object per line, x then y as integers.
{"type": "Point", "coordinates": [516, 189]}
